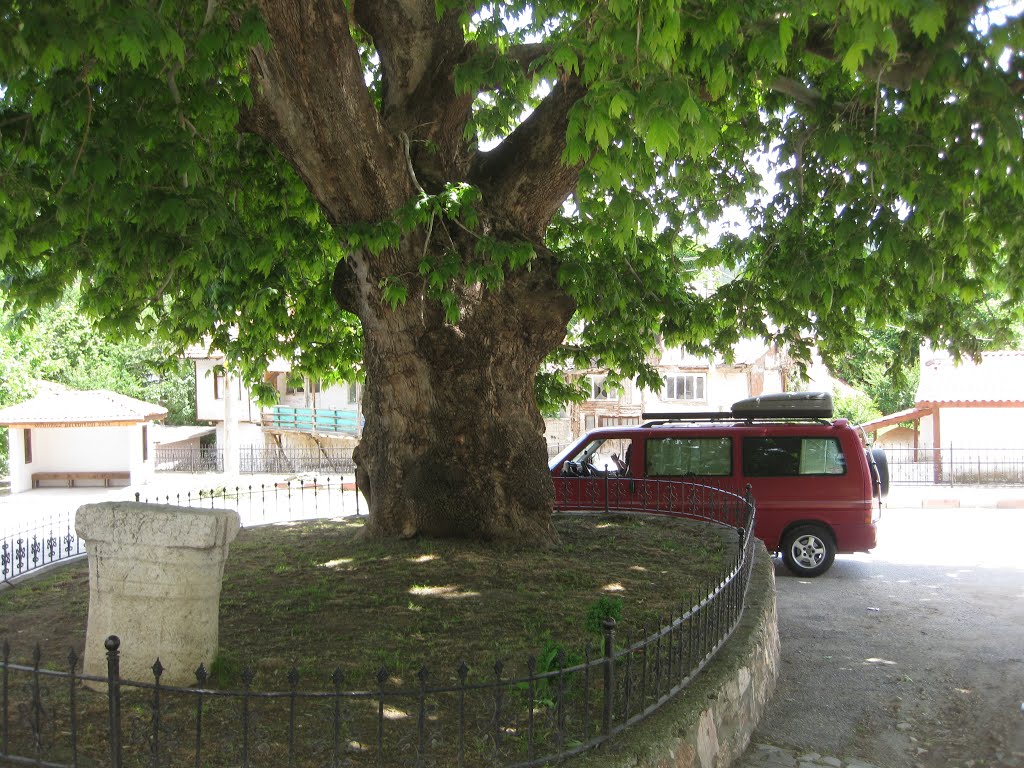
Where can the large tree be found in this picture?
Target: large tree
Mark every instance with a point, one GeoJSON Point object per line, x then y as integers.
{"type": "Point", "coordinates": [428, 192]}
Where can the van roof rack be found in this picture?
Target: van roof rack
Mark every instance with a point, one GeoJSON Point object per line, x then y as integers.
{"type": "Point", "coordinates": [816, 406]}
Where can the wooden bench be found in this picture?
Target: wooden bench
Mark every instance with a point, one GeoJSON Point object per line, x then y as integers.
{"type": "Point", "coordinates": [71, 477]}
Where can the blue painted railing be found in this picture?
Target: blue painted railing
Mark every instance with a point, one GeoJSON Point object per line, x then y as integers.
{"type": "Point", "coordinates": [312, 420]}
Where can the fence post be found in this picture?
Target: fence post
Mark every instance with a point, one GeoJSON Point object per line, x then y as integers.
{"type": "Point", "coordinates": [112, 644]}
{"type": "Point", "coordinates": [749, 499]}
{"type": "Point", "coordinates": [609, 674]}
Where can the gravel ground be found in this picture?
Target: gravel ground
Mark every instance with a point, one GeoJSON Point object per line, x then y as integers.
{"type": "Point", "coordinates": [911, 656]}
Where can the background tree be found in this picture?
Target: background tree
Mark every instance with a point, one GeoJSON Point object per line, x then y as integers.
{"type": "Point", "coordinates": [436, 188]}
{"type": "Point", "coordinates": [874, 365]}
{"type": "Point", "coordinates": [58, 344]}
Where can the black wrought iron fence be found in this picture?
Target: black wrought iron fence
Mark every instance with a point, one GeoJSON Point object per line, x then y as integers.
{"type": "Point", "coordinates": [38, 545]}
{"type": "Point", "coordinates": [189, 459]}
{"type": "Point", "coordinates": [529, 715]}
{"type": "Point", "coordinates": [48, 541]}
{"type": "Point", "coordinates": [254, 460]}
{"type": "Point", "coordinates": [262, 503]}
{"type": "Point", "coordinates": [952, 465]}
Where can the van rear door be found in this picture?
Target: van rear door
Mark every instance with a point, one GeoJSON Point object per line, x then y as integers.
{"type": "Point", "coordinates": [801, 478]}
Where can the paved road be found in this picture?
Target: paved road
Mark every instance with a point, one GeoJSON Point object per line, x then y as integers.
{"type": "Point", "coordinates": [911, 656]}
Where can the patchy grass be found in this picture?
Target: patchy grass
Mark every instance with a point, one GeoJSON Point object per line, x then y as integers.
{"type": "Point", "coordinates": [317, 597]}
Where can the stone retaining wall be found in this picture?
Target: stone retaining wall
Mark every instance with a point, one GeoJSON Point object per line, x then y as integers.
{"type": "Point", "coordinates": [710, 724]}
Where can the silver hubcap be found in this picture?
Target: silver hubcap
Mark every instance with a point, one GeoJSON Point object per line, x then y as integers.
{"type": "Point", "coordinates": [808, 551]}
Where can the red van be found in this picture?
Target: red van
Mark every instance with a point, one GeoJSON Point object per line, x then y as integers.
{"type": "Point", "coordinates": [817, 488]}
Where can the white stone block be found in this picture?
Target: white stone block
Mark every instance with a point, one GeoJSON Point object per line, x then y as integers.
{"type": "Point", "coordinates": [155, 574]}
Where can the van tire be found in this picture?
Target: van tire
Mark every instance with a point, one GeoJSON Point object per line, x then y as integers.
{"type": "Point", "coordinates": [882, 467]}
{"type": "Point", "coordinates": [808, 550]}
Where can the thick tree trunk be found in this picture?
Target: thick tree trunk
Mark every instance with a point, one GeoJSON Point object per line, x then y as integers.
{"type": "Point", "coordinates": [453, 442]}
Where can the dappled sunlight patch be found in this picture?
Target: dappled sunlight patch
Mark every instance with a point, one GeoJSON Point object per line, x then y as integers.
{"type": "Point", "coordinates": [423, 559]}
{"type": "Point", "coordinates": [448, 592]}
{"type": "Point", "coordinates": [880, 662]}
{"type": "Point", "coordinates": [335, 564]}
{"type": "Point", "coordinates": [394, 713]}
{"type": "Point", "coordinates": [613, 587]}
{"type": "Point", "coordinates": [601, 526]}
{"type": "Point", "coordinates": [638, 568]}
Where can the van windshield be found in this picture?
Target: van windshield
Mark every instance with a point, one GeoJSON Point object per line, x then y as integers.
{"type": "Point", "coordinates": [609, 455]}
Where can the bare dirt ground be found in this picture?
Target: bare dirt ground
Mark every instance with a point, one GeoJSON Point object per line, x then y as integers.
{"type": "Point", "coordinates": [911, 656]}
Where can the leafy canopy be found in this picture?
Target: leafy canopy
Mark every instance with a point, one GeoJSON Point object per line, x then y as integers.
{"type": "Point", "coordinates": [892, 130]}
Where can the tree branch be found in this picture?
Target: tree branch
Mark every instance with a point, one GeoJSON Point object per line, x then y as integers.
{"type": "Point", "coordinates": [796, 90]}
{"type": "Point", "coordinates": [524, 178]}
{"type": "Point", "coordinates": [527, 53]}
{"type": "Point", "coordinates": [326, 126]}
{"type": "Point", "coordinates": [418, 56]}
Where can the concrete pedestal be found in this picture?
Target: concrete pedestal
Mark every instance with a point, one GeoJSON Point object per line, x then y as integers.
{"type": "Point", "coordinates": [155, 575]}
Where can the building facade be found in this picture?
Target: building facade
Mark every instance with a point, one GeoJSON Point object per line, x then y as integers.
{"type": "Point", "coordinates": [688, 384]}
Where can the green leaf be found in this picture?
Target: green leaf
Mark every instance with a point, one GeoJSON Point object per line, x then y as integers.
{"type": "Point", "coordinates": [565, 58]}
{"type": "Point", "coordinates": [619, 105]}
{"type": "Point", "coordinates": [689, 111]}
{"type": "Point", "coordinates": [785, 34]}
{"type": "Point", "coordinates": [929, 20]}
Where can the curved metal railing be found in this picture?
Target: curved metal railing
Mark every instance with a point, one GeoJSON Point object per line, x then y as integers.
{"type": "Point", "coordinates": [558, 707]}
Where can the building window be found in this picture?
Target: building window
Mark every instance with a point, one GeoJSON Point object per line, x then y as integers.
{"type": "Point", "coordinates": [685, 386]}
{"type": "Point", "coordinates": [28, 446]}
{"type": "Point", "coordinates": [589, 422]}
{"type": "Point", "coordinates": [218, 386]}
{"type": "Point", "coordinates": [145, 442]}
{"type": "Point", "coordinates": [296, 386]}
{"type": "Point", "coordinates": [618, 421]}
{"type": "Point", "coordinates": [600, 389]}
{"type": "Point", "coordinates": [353, 393]}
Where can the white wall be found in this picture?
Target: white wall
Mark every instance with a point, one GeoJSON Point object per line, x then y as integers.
{"type": "Point", "coordinates": [336, 396]}
{"type": "Point", "coordinates": [976, 428]}
{"type": "Point", "coordinates": [81, 449]}
{"type": "Point", "coordinates": [723, 387]}
{"type": "Point", "coordinates": [895, 437]}
{"type": "Point", "coordinates": [210, 408]}
{"type": "Point", "coordinates": [248, 434]}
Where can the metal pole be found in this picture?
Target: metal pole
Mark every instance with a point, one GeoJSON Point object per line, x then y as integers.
{"type": "Point", "coordinates": [112, 644]}
{"type": "Point", "coordinates": [609, 675]}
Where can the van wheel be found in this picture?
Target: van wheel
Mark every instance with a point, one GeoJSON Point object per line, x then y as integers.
{"type": "Point", "coordinates": [808, 550]}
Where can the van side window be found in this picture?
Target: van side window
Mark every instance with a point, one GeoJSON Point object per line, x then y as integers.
{"type": "Point", "coordinates": [674, 456]}
{"type": "Point", "coordinates": [791, 456]}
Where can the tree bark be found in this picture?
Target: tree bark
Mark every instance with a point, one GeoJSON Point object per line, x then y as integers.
{"type": "Point", "coordinates": [453, 443]}
{"type": "Point", "coordinates": [453, 439]}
